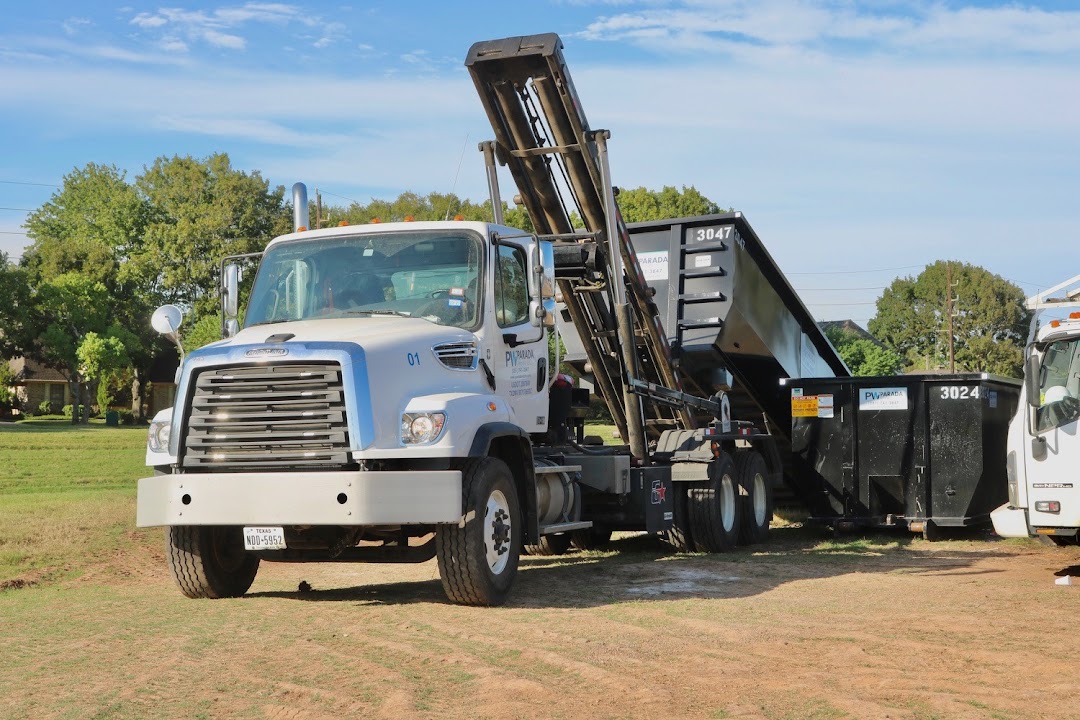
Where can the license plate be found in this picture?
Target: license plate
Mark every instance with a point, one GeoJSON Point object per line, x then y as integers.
{"type": "Point", "coordinates": [264, 538]}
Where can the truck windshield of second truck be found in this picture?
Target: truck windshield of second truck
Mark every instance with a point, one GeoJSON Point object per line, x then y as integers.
{"type": "Point", "coordinates": [1059, 383]}
{"type": "Point", "coordinates": [428, 275]}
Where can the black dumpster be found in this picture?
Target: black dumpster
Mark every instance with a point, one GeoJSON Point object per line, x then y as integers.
{"type": "Point", "coordinates": [915, 451]}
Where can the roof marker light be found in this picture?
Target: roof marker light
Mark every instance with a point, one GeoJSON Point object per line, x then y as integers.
{"type": "Point", "coordinates": [343, 223]}
{"type": "Point", "coordinates": [459, 218]}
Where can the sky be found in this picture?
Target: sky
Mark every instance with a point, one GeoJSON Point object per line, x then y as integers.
{"type": "Point", "coordinates": [862, 140]}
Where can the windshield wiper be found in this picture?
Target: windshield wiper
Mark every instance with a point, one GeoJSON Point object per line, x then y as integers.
{"type": "Point", "coordinates": [398, 313]}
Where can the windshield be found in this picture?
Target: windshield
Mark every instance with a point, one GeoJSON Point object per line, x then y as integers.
{"type": "Point", "coordinates": [432, 275]}
{"type": "Point", "coordinates": [1059, 385]}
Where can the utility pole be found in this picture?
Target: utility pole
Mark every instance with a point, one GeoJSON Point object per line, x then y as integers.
{"type": "Point", "coordinates": [949, 311]}
{"type": "Point", "coordinates": [318, 209]}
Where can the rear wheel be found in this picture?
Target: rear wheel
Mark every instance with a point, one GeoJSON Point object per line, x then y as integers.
{"type": "Point", "coordinates": [478, 557]}
{"type": "Point", "coordinates": [753, 478]}
{"type": "Point", "coordinates": [210, 561]}
{"type": "Point", "coordinates": [555, 544]}
{"type": "Point", "coordinates": [590, 539]}
{"type": "Point", "coordinates": [714, 508]}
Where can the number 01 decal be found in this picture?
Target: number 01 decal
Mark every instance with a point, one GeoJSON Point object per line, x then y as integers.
{"type": "Point", "coordinates": [959, 392]}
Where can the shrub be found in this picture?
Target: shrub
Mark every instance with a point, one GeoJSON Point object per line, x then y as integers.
{"type": "Point", "coordinates": [68, 409]}
{"type": "Point", "coordinates": [44, 408]}
{"type": "Point", "coordinates": [126, 417]}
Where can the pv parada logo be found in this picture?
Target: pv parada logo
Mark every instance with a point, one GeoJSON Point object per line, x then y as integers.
{"type": "Point", "coordinates": [515, 356]}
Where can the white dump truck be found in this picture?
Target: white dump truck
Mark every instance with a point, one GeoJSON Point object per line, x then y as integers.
{"type": "Point", "coordinates": [389, 395]}
{"type": "Point", "coordinates": [1044, 445]}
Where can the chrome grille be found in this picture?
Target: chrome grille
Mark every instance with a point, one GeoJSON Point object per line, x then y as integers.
{"type": "Point", "coordinates": [267, 416]}
{"type": "Point", "coordinates": [457, 355]}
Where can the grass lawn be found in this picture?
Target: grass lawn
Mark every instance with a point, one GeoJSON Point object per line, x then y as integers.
{"type": "Point", "coordinates": [67, 495]}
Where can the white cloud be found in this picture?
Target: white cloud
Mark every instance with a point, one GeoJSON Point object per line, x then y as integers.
{"type": "Point", "coordinates": [147, 20]}
{"type": "Point", "coordinates": [713, 25]}
{"type": "Point", "coordinates": [72, 26]}
{"type": "Point", "coordinates": [225, 40]}
{"type": "Point", "coordinates": [172, 44]}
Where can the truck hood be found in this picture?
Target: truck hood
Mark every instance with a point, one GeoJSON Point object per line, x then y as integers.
{"type": "Point", "coordinates": [373, 333]}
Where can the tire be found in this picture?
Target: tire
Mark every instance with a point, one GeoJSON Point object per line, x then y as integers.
{"type": "Point", "coordinates": [679, 536]}
{"type": "Point", "coordinates": [590, 539]}
{"type": "Point", "coordinates": [555, 544]}
{"type": "Point", "coordinates": [714, 514]}
{"type": "Point", "coordinates": [478, 558]}
{"type": "Point", "coordinates": [1058, 540]}
{"type": "Point", "coordinates": [757, 501]}
{"type": "Point", "coordinates": [210, 561]}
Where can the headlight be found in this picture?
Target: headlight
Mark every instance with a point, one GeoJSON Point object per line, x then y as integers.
{"type": "Point", "coordinates": [159, 436]}
{"type": "Point", "coordinates": [421, 428]}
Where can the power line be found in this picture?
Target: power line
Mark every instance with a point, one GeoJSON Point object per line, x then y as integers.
{"type": "Point", "coordinates": [11, 232]}
{"type": "Point", "coordinates": [20, 182]}
{"type": "Point", "coordinates": [817, 304]}
{"type": "Point", "coordinates": [19, 209]}
{"type": "Point", "coordinates": [838, 289]}
{"type": "Point", "coordinates": [854, 272]}
{"type": "Point", "coordinates": [327, 192]}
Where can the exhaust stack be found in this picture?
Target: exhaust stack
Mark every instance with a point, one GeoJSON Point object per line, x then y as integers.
{"type": "Point", "coordinates": [301, 217]}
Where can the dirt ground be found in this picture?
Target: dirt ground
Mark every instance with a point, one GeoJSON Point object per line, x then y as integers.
{"type": "Point", "coordinates": [886, 626]}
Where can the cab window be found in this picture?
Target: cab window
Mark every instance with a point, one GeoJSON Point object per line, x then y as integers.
{"type": "Point", "coordinates": [511, 287]}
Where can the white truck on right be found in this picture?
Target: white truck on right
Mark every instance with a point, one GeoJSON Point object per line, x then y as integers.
{"type": "Point", "coordinates": [1044, 442]}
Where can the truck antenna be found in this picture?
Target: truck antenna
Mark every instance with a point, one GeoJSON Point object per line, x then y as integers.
{"type": "Point", "coordinates": [453, 186]}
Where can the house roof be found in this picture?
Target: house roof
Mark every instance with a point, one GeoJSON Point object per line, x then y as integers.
{"type": "Point", "coordinates": [31, 371]}
{"type": "Point", "coordinates": [849, 326]}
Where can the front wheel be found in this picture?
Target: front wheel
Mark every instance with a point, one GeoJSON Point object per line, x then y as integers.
{"type": "Point", "coordinates": [209, 561]}
{"type": "Point", "coordinates": [478, 557]}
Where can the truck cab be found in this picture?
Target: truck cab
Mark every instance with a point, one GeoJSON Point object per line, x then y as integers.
{"type": "Point", "coordinates": [1044, 447]}
{"type": "Point", "coordinates": [381, 375]}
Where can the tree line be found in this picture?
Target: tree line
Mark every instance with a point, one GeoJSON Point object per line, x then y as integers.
{"type": "Point", "coordinates": [106, 250]}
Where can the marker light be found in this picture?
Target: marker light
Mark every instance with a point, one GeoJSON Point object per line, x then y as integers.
{"type": "Point", "coordinates": [1074, 316]}
{"type": "Point", "coordinates": [301, 228]}
{"type": "Point", "coordinates": [343, 223]}
{"type": "Point", "coordinates": [375, 220]}
{"type": "Point", "coordinates": [459, 217]}
{"type": "Point", "coordinates": [1055, 323]}
{"type": "Point", "coordinates": [409, 218]}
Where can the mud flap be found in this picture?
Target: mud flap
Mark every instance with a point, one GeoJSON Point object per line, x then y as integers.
{"type": "Point", "coordinates": [650, 490]}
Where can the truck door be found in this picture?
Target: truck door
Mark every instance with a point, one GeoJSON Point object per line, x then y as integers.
{"type": "Point", "coordinates": [520, 361]}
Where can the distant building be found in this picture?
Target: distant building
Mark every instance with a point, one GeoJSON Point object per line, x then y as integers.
{"type": "Point", "coordinates": [849, 326]}
{"type": "Point", "coordinates": [35, 383]}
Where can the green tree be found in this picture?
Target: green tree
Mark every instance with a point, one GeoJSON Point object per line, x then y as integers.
{"type": "Point", "coordinates": [92, 227]}
{"type": "Point", "coordinates": [199, 212]}
{"type": "Point", "coordinates": [89, 227]}
{"type": "Point", "coordinates": [863, 356]}
{"type": "Point", "coordinates": [990, 321]}
{"type": "Point", "coordinates": [17, 319]}
{"type": "Point", "coordinates": [69, 306]}
{"type": "Point", "coordinates": [641, 204]}
{"type": "Point", "coordinates": [104, 361]}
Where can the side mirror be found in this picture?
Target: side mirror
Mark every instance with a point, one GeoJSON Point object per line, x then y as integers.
{"type": "Point", "coordinates": [1032, 370]}
{"type": "Point", "coordinates": [542, 284]}
{"type": "Point", "coordinates": [166, 321]}
{"type": "Point", "coordinates": [230, 298]}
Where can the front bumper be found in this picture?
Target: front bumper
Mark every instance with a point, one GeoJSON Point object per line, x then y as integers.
{"type": "Point", "coordinates": [301, 498]}
{"type": "Point", "coordinates": [1010, 521]}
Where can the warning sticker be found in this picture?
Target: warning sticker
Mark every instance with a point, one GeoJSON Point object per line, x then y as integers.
{"type": "Point", "coordinates": [805, 406]}
{"type": "Point", "coordinates": [824, 406]}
